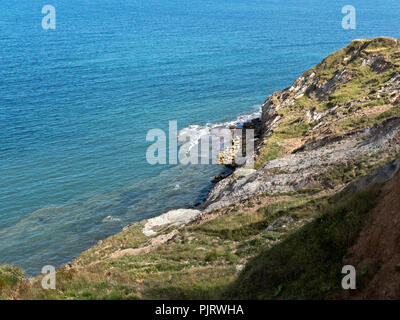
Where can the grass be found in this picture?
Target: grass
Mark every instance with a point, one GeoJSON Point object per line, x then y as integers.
{"type": "Point", "coordinates": [269, 151]}
{"type": "Point", "coordinates": [242, 225]}
{"type": "Point", "coordinates": [132, 237]}
{"type": "Point", "coordinates": [307, 265]}
{"type": "Point", "coordinates": [198, 283]}
{"type": "Point", "coordinates": [198, 264]}
{"type": "Point", "coordinates": [293, 131]}
{"type": "Point", "coordinates": [9, 277]}
{"type": "Point", "coordinates": [339, 175]}
{"type": "Point", "coordinates": [201, 262]}
{"type": "Point", "coordinates": [346, 93]}
{"type": "Point", "coordinates": [355, 169]}
{"type": "Point", "coordinates": [359, 89]}
{"type": "Point", "coordinates": [303, 103]}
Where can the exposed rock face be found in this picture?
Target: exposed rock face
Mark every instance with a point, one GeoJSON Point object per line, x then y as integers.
{"type": "Point", "coordinates": [302, 169]}
{"type": "Point", "coordinates": [173, 217]}
{"type": "Point", "coordinates": [227, 157]}
{"type": "Point", "coordinates": [331, 75]}
{"type": "Point", "coordinates": [234, 155]}
{"type": "Point", "coordinates": [377, 63]}
{"type": "Point", "coordinates": [380, 175]}
{"type": "Point", "coordinates": [314, 116]}
{"type": "Point", "coordinates": [344, 111]}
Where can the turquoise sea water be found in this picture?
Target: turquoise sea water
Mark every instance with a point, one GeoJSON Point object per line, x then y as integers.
{"type": "Point", "coordinates": [76, 103]}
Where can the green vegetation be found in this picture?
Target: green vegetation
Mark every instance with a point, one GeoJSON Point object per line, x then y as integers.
{"type": "Point", "coordinates": [308, 264]}
{"type": "Point", "coordinates": [269, 151]}
{"type": "Point", "coordinates": [293, 130]}
{"type": "Point", "coordinates": [352, 123]}
{"type": "Point", "coordinates": [9, 277]}
{"type": "Point", "coordinates": [295, 260]}
{"type": "Point", "coordinates": [200, 263]}
{"type": "Point", "coordinates": [131, 238]}
{"type": "Point", "coordinates": [242, 225]}
{"type": "Point", "coordinates": [340, 89]}
{"type": "Point", "coordinates": [355, 169]}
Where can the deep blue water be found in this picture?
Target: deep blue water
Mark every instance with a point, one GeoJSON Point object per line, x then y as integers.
{"type": "Point", "coordinates": [76, 103]}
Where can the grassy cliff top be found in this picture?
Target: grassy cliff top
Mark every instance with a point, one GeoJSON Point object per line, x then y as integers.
{"type": "Point", "coordinates": [351, 89]}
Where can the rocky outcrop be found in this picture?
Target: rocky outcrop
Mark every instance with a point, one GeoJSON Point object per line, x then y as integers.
{"type": "Point", "coordinates": [238, 149]}
{"type": "Point", "coordinates": [345, 114]}
{"type": "Point", "coordinates": [306, 169]}
{"type": "Point", "coordinates": [227, 156]}
{"type": "Point", "coordinates": [380, 175]}
{"type": "Point", "coordinates": [174, 217]}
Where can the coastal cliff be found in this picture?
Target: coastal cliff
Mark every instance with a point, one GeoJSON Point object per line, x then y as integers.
{"type": "Point", "coordinates": [326, 171]}
{"type": "Point", "coordinates": [339, 115]}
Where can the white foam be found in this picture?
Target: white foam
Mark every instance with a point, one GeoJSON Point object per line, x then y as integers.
{"type": "Point", "coordinates": [110, 219]}
{"type": "Point", "coordinates": [197, 132]}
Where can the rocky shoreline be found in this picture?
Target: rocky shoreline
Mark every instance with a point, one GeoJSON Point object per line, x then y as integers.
{"type": "Point", "coordinates": [181, 217]}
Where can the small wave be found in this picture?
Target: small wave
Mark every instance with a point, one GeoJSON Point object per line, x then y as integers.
{"type": "Point", "coordinates": [111, 219]}
{"type": "Point", "coordinates": [177, 187]}
{"type": "Point", "coordinates": [197, 132]}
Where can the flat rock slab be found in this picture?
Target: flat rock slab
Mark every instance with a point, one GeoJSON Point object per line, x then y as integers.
{"type": "Point", "coordinates": [242, 172]}
{"type": "Point", "coordinates": [173, 217]}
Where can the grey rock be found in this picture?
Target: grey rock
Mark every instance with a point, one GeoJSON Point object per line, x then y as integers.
{"type": "Point", "coordinates": [295, 171]}
{"type": "Point", "coordinates": [174, 217]}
